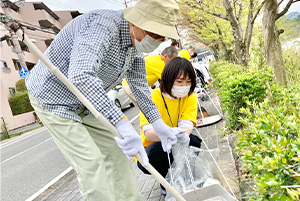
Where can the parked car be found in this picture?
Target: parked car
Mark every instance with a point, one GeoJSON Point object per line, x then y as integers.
{"type": "Point", "coordinates": [119, 97]}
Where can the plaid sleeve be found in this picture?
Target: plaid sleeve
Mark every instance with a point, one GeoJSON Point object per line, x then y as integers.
{"type": "Point", "coordinates": [88, 50]}
{"type": "Point", "coordinates": [136, 78]}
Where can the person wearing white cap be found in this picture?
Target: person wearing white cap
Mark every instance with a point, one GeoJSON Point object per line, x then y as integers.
{"type": "Point", "coordinates": [95, 51]}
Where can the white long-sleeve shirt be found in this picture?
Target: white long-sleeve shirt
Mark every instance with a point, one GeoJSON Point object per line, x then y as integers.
{"type": "Point", "coordinates": [203, 70]}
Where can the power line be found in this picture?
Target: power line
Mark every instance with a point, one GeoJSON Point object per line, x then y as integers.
{"type": "Point", "coordinates": [61, 4]}
{"type": "Point", "coordinates": [54, 4]}
{"type": "Point", "coordinates": [113, 2]}
{"type": "Point", "coordinates": [119, 2]}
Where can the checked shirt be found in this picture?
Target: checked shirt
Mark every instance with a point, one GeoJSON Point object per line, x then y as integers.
{"type": "Point", "coordinates": [95, 52]}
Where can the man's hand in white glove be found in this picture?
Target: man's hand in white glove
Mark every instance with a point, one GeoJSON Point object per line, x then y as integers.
{"type": "Point", "coordinates": [183, 138]}
{"type": "Point", "coordinates": [166, 134]}
{"type": "Point", "coordinates": [132, 142]}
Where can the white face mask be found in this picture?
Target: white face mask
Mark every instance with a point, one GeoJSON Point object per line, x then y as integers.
{"type": "Point", "coordinates": [147, 45]}
{"type": "Point", "coordinates": [180, 91]}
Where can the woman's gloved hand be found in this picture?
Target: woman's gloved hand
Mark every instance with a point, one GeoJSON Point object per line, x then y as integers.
{"type": "Point", "coordinates": [166, 134]}
{"type": "Point", "coordinates": [183, 138]}
{"type": "Point", "coordinates": [132, 142]}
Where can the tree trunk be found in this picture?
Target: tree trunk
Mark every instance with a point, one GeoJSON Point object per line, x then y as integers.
{"type": "Point", "coordinates": [237, 33]}
{"type": "Point", "coordinates": [272, 45]}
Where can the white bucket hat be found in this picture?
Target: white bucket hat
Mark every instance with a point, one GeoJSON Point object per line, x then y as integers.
{"type": "Point", "coordinates": [155, 16]}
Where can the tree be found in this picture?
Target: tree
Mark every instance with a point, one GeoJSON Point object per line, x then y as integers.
{"type": "Point", "coordinates": [272, 45]}
{"type": "Point", "coordinates": [207, 30]}
{"type": "Point", "coordinates": [4, 130]}
{"type": "Point", "coordinates": [234, 12]}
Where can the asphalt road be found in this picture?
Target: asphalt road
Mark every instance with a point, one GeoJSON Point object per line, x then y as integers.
{"type": "Point", "coordinates": [31, 161]}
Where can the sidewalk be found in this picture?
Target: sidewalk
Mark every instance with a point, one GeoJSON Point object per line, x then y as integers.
{"type": "Point", "coordinates": [26, 128]}
{"type": "Point", "coordinates": [67, 188]}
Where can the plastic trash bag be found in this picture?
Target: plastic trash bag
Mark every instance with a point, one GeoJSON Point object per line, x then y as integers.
{"type": "Point", "coordinates": [190, 170]}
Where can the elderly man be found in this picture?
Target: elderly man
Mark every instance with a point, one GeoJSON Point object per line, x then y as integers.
{"type": "Point", "coordinates": [154, 67]}
{"type": "Point", "coordinates": [95, 51]}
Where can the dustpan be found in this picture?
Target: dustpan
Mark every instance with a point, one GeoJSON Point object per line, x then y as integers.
{"type": "Point", "coordinates": [203, 120]}
{"type": "Point", "coordinates": [214, 192]}
{"type": "Point", "coordinates": [208, 120]}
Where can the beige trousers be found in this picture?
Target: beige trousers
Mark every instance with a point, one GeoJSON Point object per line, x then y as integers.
{"type": "Point", "coordinates": [103, 171]}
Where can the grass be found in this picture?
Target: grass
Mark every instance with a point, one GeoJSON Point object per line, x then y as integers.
{"type": "Point", "coordinates": [10, 136]}
{"type": "Point", "coordinates": [17, 134]}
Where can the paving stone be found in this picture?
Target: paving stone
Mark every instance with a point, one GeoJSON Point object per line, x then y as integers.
{"type": "Point", "coordinates": [145, 195]}
{"type": "Point", "coordinates": [157, 198]}
{"type": "Point", "coordinates": [148, 185]}
{"type": "Point", "coordinates": [155, 192]}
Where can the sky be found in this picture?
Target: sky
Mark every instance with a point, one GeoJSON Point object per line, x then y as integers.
{"type": "Point", "coordinates": [88, 5]}
{"type": "Point", "coordinates": [83, 5]}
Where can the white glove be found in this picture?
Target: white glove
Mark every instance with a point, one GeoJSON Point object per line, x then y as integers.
{"type": "Point", "coordinates": [183, 138]}
{"type": "Point", "coordinates": [132, 142]}
{"type": "Point", "coordinates": [166, 134]}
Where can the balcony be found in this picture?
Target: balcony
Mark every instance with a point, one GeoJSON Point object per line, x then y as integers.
{"type": "Point", "coordinates": [47, 21]}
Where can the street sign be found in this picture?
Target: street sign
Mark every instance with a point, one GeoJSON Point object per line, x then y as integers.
{"type": "Point", "coordinates": [23, 72]}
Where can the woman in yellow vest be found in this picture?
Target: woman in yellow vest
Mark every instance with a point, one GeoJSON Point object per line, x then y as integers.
{"type": "Point", "coordinates": [177, 104]}
{"type": "Point", "coordinates": [154, 66]}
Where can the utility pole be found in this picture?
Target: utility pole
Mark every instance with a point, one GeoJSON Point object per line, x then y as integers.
{"type": "Point", "coordinates": [128, 1]}
{"type": "Point", "coordinates": [5, 4]}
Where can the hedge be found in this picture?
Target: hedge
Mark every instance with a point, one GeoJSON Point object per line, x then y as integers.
{"type": "Point", "coordinates": [267, 117]}
{"type": "Point", "coordinates": [20, 85]}
{"type": "Point", "coordinates": [19, 103]}
{"type": "Point", "coordinates": [237, 87]}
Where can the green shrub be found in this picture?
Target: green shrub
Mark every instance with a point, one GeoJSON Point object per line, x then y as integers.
{"type": "Point", "coordinates": [268, 143]}
{"type": "Point", "coordinates": [221, 71]}
{"type": "Point", "coordinates": [243, 89]}
{"type": "Point", "coordinates": [20, 85]}
{"type": "Point", "coordinates": [269, 146]}
{"type": "Point", "coordinates": [237, 86]}
{"type": "Point", "coordinates": [19, 103]}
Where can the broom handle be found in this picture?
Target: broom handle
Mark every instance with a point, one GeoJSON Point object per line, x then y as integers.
{"type": "Point", "coordinates": [91, 108]}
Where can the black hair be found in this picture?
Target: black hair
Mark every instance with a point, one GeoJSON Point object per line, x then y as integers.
{"type": "Point", "coordinates": [173, 69]}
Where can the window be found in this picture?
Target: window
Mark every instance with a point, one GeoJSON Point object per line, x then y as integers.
{"type": "Point", "coordinates": [17, 64]}
{"type": "Point", "coordinates": [23, 46]}
{"type": "Point", "coordinates": [30, 65]}
{"type": "Point", "coordinates": [9, 42]}
{"type": "Point", "coordinates": [3, 64]}
{"type": "Point", "coordinates": [12, 90]}
{"type": "Point", "coordinates": [48, 42]}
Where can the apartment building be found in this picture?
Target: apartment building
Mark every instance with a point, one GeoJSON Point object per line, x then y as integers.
{"type": "Point", "coordinates": [41, 26]}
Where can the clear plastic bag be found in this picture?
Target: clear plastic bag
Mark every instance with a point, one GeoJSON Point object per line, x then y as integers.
{"type": "Point", "coordinates": [190, 169]}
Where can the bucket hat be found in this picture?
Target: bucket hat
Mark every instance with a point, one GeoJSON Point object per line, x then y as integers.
{"type": "Point", "coordinates": [155, 16]}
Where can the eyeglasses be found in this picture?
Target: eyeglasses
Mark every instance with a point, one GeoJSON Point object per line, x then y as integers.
{"type": "Point", "coordinates": [156, 36]}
